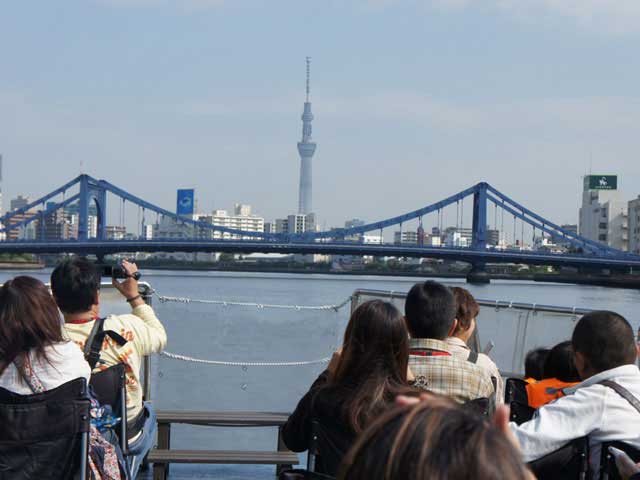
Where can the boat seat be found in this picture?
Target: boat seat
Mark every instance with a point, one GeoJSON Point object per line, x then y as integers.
{"type": "Point", "coordinates": [515, 395]}
{"type": "Point", "coordinates": [45, 435]}
{"type": "Point", "coordinates": [109, 387]}
{"type": "Point", "coordinates": [570, 462]}
{"type": "Point", "coordinates": [608, 469]}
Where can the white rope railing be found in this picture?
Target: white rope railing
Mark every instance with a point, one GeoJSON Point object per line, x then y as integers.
{"type": "Point", "coordinates": [220, 363]}
{"type": "Point", "coordinates": [259, 306]}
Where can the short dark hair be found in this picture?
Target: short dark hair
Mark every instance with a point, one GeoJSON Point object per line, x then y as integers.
{"type": "Point", "coordinates": [560, 363]}
{"type": "Point", "coordinates": [534, 363]}
{"type": "Point", "coordinates": [75, 284]}
{"type": "Point", "coordinates": [430, 310]}
{"type": "Point", "coordinates": [605, 339]}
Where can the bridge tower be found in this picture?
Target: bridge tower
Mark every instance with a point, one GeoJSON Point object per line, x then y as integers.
{"type": "Point", "coordinates": [478, 273]}
{"type": "Point", "coordinates": [91, 190]}
{"type": "Point", "coordinates": [306, 149]}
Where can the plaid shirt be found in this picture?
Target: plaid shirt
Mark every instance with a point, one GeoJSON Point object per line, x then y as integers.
{"type": "Point", "coordinates": [448, 375]}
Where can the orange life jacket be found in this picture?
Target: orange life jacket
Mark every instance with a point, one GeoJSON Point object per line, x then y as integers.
{"type": "Point", "coordinates": [542, 392]}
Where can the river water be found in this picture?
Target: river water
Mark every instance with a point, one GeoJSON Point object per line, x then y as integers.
{"type": "Point", "coordinates": [262, 334]}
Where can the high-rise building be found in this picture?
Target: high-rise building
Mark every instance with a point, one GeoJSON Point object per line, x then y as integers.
{"type": "Point", "coordinates": [56, 226]}
{"type": "Point", "coordinates": [19, 202]}
{"type": "Point", "coordinates": [306, 149]}
{"type": "Point", "coordinates": [115, 232]}
{"type": "Point", "coordinates": [241, 220]}
{"type": "Point", "coordinates": [634, 226]}
{"type": "Point", "coordinates": [603, 214]}
{"type": "Point", "coordinates": [27, 232]}
{"type": "Point", "coordinates": [406, 237]}
{"type": "Point", "coordinates": [354, 222]}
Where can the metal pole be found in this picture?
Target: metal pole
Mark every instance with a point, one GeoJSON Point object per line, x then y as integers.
{"type": "Point", "coordinates": [147, 296]}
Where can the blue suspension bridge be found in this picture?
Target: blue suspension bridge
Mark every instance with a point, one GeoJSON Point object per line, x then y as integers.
{"type": "Point", "coordinates": [90, 200]}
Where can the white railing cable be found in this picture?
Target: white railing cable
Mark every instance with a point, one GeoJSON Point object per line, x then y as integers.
{"type": "Point", "coordinates": [260, 306]}
{"type": "Point", "coordinates": [184, 358]}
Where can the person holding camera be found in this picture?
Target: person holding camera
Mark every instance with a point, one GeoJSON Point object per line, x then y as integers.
{"type": "Point", "coordinates": [126, 338]}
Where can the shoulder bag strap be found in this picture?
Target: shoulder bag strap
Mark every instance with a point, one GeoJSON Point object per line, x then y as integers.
{"type": "Point", "coordinates": [23, 365]}
{"type": "Point", "coordinates": [623, 392]}
{"type": "Point", "coordinates": [93, 344]}
{"type": "Point", "coordinates": [473, 357]}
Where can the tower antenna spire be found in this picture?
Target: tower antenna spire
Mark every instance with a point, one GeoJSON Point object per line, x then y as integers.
{"type": "Point", "coordinates": [308, 76]}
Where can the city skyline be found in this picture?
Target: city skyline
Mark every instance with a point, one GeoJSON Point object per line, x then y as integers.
{"type": "Point", "coordinates": [524, 98]}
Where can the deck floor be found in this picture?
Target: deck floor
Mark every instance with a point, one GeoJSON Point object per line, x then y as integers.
{"type": "Point", "coordinates": [222, 472]}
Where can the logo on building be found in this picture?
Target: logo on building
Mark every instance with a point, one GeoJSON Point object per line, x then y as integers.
{"type": "Point", "coordinates": [185, 205]}
{"type": "Point", "coordinates": [601, 182]}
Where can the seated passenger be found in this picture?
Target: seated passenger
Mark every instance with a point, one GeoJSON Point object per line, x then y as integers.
{"type": "Point", "coordinates": [559, 372]}
{"type": "Point", "coordinates": [76, 287]}
{"type": "Point", "coordinates": [466, 314]}
{"type": "Point", "coordinates": [433, 442]}
{"type": "Point", "coordinates": [360, 383]}
{"type": "Point", "coordinates": [35, 358]}
{"type": "Point", "coordinates": [534, 364]}
{"type": "Point", "coordinates": [31, 339]}
{"type": "Point", "coordinates": [430, 311]}
{"type": "Point", "coordinates": [605, 354]}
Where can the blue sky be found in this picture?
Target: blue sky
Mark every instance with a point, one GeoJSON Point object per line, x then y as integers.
{"type": "Point", "coordinates": [413, 99]}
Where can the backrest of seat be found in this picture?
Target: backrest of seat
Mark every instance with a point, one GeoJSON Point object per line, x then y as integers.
{"type": "Point", "coordinates": [481, 406]}
{"type": "Point", "coordinates": [110, 388]}
{"type": "Point", "coordinates": [567, 463]}
{"type": "Point", "coordinates": [41, 434]}
{"type": "Point", "coordinates": [608, 469]}
{"type": "Point", "coordinates": [329, 446]}
{"type": "Point", "coordinates": [515, 395]}
{"type": "Point", "coordinates": [107, 386]}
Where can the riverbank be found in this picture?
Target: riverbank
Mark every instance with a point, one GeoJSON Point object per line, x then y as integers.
{"type": "Point", "coordinates": [21, 266]}
{"type": "Point", "coordinates": [613, 281]}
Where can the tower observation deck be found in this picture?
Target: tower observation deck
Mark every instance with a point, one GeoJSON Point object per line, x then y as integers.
{"type": "Point", "coordinates": [306, 149]}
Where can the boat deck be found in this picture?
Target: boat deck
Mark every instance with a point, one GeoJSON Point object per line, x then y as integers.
{"type": "Point", "coordinates": [226, 472]}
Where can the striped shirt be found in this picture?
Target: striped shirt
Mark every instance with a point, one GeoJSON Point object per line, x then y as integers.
{"type": "Point", "coordinates": [447, 374]}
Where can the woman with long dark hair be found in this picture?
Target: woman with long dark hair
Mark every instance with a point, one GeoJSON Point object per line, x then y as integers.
{"type": "Point", "coordinates": [361, 382]}
{"type": "Point", "coordinates": [32, 345]}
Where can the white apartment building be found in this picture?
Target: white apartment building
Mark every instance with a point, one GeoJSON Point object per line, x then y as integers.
{"type": "Point", "coordinates": [406, 237]}
{"type": "Point", "coordinates": [457, 238]}
{"type": "Point", "coordinates": [242, 219]}
{"type": "Point", "coordinates": [634, 225]}
{"type": "Point", "coordinates": [604, 214]}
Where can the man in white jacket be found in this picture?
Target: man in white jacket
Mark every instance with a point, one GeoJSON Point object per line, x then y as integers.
{"type": "Point", "coordinates": [76, 287]}
{"type": "Point", "coordinates": [605, 355]}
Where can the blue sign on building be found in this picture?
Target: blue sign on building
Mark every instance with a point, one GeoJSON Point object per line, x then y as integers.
{"type": "Point", "coordinates": [186, 201]}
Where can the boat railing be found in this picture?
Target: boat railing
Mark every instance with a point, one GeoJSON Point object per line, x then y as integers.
{"type": "Point", "coordinates": [506, 324]}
